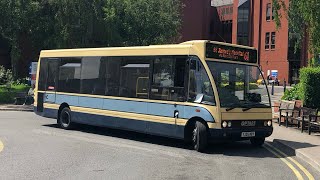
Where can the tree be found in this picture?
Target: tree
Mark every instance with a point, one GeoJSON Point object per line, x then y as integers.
{"type": "Point", "coordinates": [33, 25]}
{"type": "Point", "coordinates": [142, 22]}
{"type": "Point", "coordinates": [304, 20]}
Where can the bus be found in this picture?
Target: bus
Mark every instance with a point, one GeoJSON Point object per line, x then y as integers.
{"type": "Point", "coordinates": [198, 91]}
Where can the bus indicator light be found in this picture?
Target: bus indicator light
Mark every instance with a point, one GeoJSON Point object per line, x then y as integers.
{"type": "Point", "coordinates": [197, 110]}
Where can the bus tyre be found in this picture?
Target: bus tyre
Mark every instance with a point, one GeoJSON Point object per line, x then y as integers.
{"type": "Point", "coordinates": [199, 137]}
{"type": "Point", "coordinates": [65, 120]}
{"type": "Point", "coordinates": [257, 142]}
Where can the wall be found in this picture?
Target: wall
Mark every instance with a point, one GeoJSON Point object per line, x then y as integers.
{"type": "Point", "coordinates": [196, 20]}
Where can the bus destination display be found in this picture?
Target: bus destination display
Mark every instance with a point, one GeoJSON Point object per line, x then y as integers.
{"type": "Point", "coordinates": [219, 51]}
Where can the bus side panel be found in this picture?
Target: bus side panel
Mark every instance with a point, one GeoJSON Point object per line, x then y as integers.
{"type": "Point", "coordinates": [90, 102]}
{"type": "Point", "coordinates": [70, 100]}
{"type": "Point", "coordinates": [125, 106]}
{"type": "Point", "coordinates": [193, 111]}
{"type": "Point", "coordinates": [109, 121]}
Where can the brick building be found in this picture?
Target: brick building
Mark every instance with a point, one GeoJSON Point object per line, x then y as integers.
{"type": "Point", "coordinates": [250, 23]}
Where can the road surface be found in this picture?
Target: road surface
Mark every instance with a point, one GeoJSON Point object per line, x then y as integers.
{"type": "Point", "coordinates": [32, 147]}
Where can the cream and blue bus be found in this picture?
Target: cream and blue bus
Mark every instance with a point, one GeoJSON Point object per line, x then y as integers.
{"type": "Point", "coordinates": [198, 91]}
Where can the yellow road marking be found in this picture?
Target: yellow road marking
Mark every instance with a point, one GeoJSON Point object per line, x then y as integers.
{"type": "Point", "coordinates": [1, 146]}
{"type": "Point", "coordinates": [295, 171]}
{"type": "Point", "coordinates": [305, 171]}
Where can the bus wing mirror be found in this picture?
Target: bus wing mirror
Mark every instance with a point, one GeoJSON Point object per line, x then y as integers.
{"type": "Point", "coordinates": [199, 98]}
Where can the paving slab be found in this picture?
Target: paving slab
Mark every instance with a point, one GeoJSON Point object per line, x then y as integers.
{"type": "Point", "coordinates": [304, 146]}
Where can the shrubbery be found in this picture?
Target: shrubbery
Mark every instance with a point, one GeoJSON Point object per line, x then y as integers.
{"type": "Point", "coordinates": [293, 94]}
{"type": "Point", "coordinates": [5, 76]}
{"type": "Point", "coordinates": [310, 86]}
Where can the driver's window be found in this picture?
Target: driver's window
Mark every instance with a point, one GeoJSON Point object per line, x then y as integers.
{"type": "Point", "coordinates": [200, 89]}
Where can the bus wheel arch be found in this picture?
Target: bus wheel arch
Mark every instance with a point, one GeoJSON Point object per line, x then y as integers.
{"type": "Point", "coordinates": [199, 124]}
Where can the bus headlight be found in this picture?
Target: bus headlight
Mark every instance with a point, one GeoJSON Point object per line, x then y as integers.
{"type": "Point", "coordinates": [224, 124]}
{"type": "Point", "coordinates": [265, 123]}
{"type": "Point", "coordinates": [229, 124]}
{"type": "Point", "coordinates": [269, 123]}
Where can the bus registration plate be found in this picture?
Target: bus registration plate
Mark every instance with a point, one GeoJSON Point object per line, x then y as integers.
{"type": "Point", "coordinates": [248, 134]}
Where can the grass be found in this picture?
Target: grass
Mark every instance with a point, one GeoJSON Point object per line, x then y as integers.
{"type": "Point", "coordinates": [7, 97]}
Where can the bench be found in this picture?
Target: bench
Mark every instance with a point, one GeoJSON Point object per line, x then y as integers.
{"type": "Point", "coordinates": [20, 98]}
{"type": "Point", "coordinates": [303, 117]}
{"type": "Point", "coordinates": [314, 123]}
{"type": "Point", "coordinates": [284, 110]}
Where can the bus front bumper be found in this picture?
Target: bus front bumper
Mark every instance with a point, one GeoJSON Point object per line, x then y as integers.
{"type": "Point", "coordinates": [236, 134]}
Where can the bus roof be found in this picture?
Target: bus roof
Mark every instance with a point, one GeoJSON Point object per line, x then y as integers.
{"type": "Point", "coordinates": [195, 47]}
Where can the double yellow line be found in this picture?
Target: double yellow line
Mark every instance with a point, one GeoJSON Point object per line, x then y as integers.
{"type": "Point", "coordinates": [1, 146]}
{"type": "Point", "coordinates": [286, 159]}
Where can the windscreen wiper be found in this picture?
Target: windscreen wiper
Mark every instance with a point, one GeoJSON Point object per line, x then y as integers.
{"type": "Point", "coordinates": [230, 108]}
{"type": "Point", "coordinates": [246, 109]}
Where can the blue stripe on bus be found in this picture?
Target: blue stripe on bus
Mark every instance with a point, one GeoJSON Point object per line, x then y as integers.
{"type": "Point", "coordinates": [169, 130]}
{"type": "Point", "coordinates": [150, 108]}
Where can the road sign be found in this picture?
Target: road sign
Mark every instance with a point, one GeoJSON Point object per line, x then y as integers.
{"type": "Point", "coordinates": [274, 73]}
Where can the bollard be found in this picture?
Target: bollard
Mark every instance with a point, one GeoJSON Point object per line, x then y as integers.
{"type": "Point", "coordinates": [284, 85]}
{"type": "Point", "coordinates": [272, 88]}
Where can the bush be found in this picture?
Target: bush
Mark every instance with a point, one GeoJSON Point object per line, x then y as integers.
{"type": "Point", "coordinates": [7, 97]}
{"type": "Point", "coordinates": [310, 86]}
{"type": "Point", "coordinates": [5, 75]}
{"type": "Point", "coordinates": [293, 94]}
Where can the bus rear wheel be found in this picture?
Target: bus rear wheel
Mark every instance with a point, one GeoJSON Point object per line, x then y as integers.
{"type": "Point", "coordinates": [65, 120]}
{"type": "Point", "coordinates": [199, 137]}
{"type": "Point", "coordinates": [257, 142]}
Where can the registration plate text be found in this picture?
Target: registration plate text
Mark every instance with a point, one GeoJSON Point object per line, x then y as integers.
{"type": "Point", "coordinates": [248, 134]}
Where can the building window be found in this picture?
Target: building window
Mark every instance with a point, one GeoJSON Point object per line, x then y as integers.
{"type": "Point", "coordinates": [267, 41]}
{"type": "Point", "coordinates": [243, 23]}
{"type": "Point", "coordinates": [273, 40]}
{"type": "Point", "coordinates": [268, 12]}
{"type": "Point", "coordinates": [272, 13]}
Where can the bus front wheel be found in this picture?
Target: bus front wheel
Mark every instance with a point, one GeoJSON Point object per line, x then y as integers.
{"type": "Point", "coordinates": [65, 120]}
{"type": "Point", "coordinates": [199, 137]}
{"type": "Point", "coordinates": [257, 142]}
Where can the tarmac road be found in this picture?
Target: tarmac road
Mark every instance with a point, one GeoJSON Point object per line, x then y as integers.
{"type": "Point", "coordinates": [34, 148]}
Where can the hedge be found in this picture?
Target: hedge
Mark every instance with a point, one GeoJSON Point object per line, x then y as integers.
{"type": "Point", "coordinates": [310, 86]}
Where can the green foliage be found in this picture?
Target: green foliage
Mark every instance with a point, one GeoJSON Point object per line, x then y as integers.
{"type": "Point", "coordinates": [142, 22]}
{"type": "Point", "coordinates": [33, 25]}
{"type": "Point", "coordinates": [304, 18]}
{"type": "Point", "coordinates": [7, 96]}
{"type": "Point", "coordinates": [293, 93]}
{"type": "Point", "coordinates": [310, 86]}
{"type": "Point", "coordinates": [5, 76]}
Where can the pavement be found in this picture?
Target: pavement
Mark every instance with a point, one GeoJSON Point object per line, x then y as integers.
{"type": "Point", "coordinates": [302, 145]}
{"type": "Point", "coordinates": [10, 107]}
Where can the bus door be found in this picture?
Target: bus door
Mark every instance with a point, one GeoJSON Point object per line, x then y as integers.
{"type": "Point", "coordinates": [168, 83]}
{"type": "Point", "coordinates": [52, 81]}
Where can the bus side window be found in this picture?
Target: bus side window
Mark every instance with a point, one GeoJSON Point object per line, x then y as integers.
{"type": "Point", "coordinates": [199, 83]}
{"type": "Point", "coordinates": [168, 79]}
{"type": "Point", "coordinates": [43, 74]}
{"type": "Point", "coordinates": [92, 76]}
{"type": "Point", "coordinates": [69, 75]}
{"type": "Point", "coordinates": [134, 77]}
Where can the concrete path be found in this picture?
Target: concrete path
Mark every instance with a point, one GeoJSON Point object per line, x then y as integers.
{"type": "Point", "coordinates": [304, 146]}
